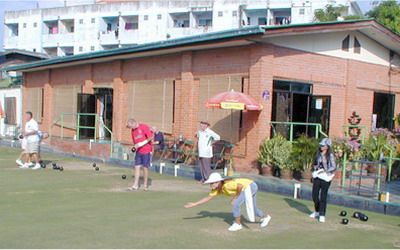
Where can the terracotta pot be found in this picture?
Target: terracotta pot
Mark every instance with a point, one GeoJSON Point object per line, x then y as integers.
{"type": "Point", "coordinates": [306, 175]}
{"type": "Point", "coordinates": [266, 170]}
{"type": "Point", "coordinates": [286, 174]}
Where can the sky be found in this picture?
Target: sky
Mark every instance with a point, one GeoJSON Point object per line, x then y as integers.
{"type": "Point", "coordinates": [7, 5]}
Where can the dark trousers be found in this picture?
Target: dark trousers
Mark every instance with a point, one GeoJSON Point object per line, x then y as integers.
{"type": "Point", "coordinates": [320, 195]}
{"type": "Point", "coordinates": [205, 168]}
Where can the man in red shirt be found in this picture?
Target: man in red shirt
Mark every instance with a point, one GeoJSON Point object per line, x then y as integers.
{"type": "Point", "coordinates": [142, 139]}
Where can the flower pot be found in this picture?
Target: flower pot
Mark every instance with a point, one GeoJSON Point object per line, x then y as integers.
{"type": "Point", "coordinates": [306, 175]}
{"type": "Point", "coordinates": [286, 174]}
{"type": "Point", "coordinates": [266, 170]}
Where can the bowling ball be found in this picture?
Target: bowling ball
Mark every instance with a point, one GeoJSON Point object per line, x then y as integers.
{"type": "Point", "coordinates": [363, 217]}
{"type": "Point", "coordinates": [123, 177]}
{"type": "Point", "coordinates": [61, 169]}
{"type": "Point", "coordinates": [133, 149]}
{"type": "Point", "coordinates": [54, 164]}
{"type": "Point", "coordinates": [94, 164]}
{"type": "Point", "coordinates": [20, 137]}
{"type": "Point", "coordinates": [356, 215]}
{"type": "Point", "coordinates": [345, 221]}
{"type": "Point", "coordinates": [343, 213]}
{"type": "Point", "coordinates": [97, 168]}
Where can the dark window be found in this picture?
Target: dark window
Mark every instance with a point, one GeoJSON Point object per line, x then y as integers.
{"type": "Point", "coordinates": [34, 25]}
{"type": "Point", "coordinates": [93, 20]}
{"type": "Point", "coordinates": [10, 110]}
{"type": "Point", "coordinates": [80, 21]}
{"type": "Point", "coordinates": [357, 46]}
{"type": "Point", "coordinates": [159, 16]}
{"type": "Point", "coordinates": [92, 48]}
{"type": "Point", "coordinates": [301, 11]}
{"type": "Point", "coordinates": [234, 13]}
{"type": "Point", "coordinates": [220, 13]}
{"type": "Point", "coordinates": [146, 17]}
{"type": "Point", "coordinates": [262, 21]}
{"type": "Point", "coordinates": [383, 108]}
{"type": "Point", "coordinates": [24, 25]}
{"type": "Point", "coordinates": [346, 43]}
{"type": "Point", "coordinates": [81, 49]}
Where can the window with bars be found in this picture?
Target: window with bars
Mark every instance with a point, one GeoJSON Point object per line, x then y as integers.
{"type": "Point", "coordinates": [34, 102]}
{"type": "Point", "coordinates": [346, 43]}
{"type": "Point", "coordinates": [65, 101]}
{"type": "Point", "coordinates": [10, 109]}
{"type": "Point", "coordinates": [357, 46]}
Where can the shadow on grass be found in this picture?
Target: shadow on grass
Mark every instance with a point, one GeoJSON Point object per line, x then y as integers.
{"type": "Point", "coordinates": [227, 217]}
{"type": "Point", "coordinates": [298, 205]}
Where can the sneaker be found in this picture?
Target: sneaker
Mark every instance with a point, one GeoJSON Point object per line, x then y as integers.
{"type": "Point", "coordinates": [19, 162]}
{"type": "Point", "coordinates": [30, 164]}
{"type": "Point", "coordinates": [264, 221]}
{"type": "Point", "coordinates": [25, 165]}
{"type": "Point", "coordinates": [37, 166]}
{"type": "Point", "coordinates": [322, 219]}
{"type": "Point", "coordinates": [235, 227]}
{"type": "Point", "coordinates": [314, 215]}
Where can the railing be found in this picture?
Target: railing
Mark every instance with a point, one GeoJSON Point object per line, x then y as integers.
{"type": "Point", "coordinates": [318, 128]}
{"type": "Point", "coordinates": [61, 122]}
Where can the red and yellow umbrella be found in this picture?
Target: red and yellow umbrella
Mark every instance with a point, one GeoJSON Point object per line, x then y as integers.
{"type": "Point", "coordinates": [233, 100]}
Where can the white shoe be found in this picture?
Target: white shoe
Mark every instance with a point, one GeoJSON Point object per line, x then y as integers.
{"type": "Point", "coordinates": [19, 162]}
{"type": "Point", "coordinates": [30, 164]}
{"type": "Point", "coordinates": [322, 219]}
{"type": "Point", "coordinates": [37, 166]}
{"type": "Point", "coordinates": [265, 221]}
{"type": "Point", "coordinates": [314, 215]}
{"type": "Point", "coordinates": [235, 227]}
{"type": "Point", "coordinates": [25, 165]}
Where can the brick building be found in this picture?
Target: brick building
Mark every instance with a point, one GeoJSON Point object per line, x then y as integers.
{"type": "Point", "coordinates": [300, 73]}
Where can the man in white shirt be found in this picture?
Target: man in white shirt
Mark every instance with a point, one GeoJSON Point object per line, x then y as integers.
{"type": "Point", "coordinates": [206, 137]}
{"type": "Point", "coordinates": [32, 139]}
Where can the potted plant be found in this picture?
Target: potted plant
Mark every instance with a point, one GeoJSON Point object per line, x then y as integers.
{"type": "Point", "coordinates": [274, 152]}
{"type": "Point", "coordinates": [303, 155]}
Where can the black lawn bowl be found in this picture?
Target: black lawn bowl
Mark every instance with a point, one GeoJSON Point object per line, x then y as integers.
{"type": "Point", "coordinates": [61, 169]}
{"type": "Point", "coordinates": [356, 215]}
{"type": "Point", "coordinates": [133, 149]}
{"type": "Point", "coordinates": [343, 213]}
{"type": "Point", "coordinates": [54, 164]}
{"type": "Point", "coordinates": [363, 217]}
{"type": "Point", "coordinates": [97, 168]}
{"type": "Point", "coordinates": [345, 221]}
{"type": "Point", "coordinates": [20, 137]}
{"type": "Point", "coordinates": [94, 164]}
{"type": "Point", "coordinates": [43, 165]}
{"type": "Point", "coordinates": [55, 167]}
{"type": "Point", "coordinates": [123, 177]}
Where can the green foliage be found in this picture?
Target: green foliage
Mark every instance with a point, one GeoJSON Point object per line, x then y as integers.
{"type": "Point", "coordinates": [330, 13]}
{"type": "Point", "coordinates": [379, 142]}
{"type": "Point", "coordinates": [387, 13]}
{"type": "Point", "coordinates": [354, 17]}
{"type": "Point", "coordinates": [304, 152]}
{"type": "Point", "coordinates": [275, 152]}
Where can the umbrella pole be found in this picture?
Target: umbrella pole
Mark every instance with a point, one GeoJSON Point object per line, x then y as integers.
{"type": "Point", "coordinates": [230, 170]}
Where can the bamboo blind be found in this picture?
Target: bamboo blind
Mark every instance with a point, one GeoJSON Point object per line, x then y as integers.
{"type": "Point", "coordinates": [35, 102]}
{"type": "Point", "coordinates": [65, 100]}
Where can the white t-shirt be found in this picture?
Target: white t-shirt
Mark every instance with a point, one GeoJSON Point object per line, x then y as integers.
{"type": "Point", "coordinates": [205, 142]}
{"type": "Point", "coordinates": [32, 126]}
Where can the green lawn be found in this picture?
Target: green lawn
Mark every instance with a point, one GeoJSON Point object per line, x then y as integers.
{"type": "Point", "coordinates": [81, 208]}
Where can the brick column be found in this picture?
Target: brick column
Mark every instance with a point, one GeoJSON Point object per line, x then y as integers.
{"type": "Point", "coordinates": [186, 100]}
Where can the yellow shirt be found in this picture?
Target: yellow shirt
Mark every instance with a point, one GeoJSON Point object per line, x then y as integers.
{"type": "Point", "coordinates": [229, 187]}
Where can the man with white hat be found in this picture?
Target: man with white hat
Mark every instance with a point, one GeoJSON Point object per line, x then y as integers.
{"type": "Point", "coordinates": [242, 190]}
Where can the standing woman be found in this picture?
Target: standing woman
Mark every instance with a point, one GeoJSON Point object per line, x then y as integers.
{"type": "Point", "coordinates": [324, 168]}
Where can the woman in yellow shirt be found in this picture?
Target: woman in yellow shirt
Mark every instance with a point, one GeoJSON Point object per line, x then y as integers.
{"type": "Point", "coordinates": [241, 190]}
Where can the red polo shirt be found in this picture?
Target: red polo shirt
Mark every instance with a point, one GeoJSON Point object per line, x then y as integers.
{"type": "Point", "coordinates": [139, 134]}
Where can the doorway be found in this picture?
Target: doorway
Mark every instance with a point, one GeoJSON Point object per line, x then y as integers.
{"type": "Point", "coordinates": [384, 110]}
{"type": "Point", "coordinates": [87, 105]}
{"type": "Point", "coordinates": [105, 98]}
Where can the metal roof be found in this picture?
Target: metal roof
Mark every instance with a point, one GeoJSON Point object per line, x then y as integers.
{"type": "Point", "coordinates": [368, 26]}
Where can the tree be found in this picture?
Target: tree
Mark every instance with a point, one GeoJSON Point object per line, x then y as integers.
{"type": "Point", "coordinates": [388, 14]}
{"type": "Point", "coordinates": [330, 13]}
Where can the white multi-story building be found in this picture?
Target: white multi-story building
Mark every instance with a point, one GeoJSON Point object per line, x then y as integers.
{"type": "Point", "coordinates": [77, 29]}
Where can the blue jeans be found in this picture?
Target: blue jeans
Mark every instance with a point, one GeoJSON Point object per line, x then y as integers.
{"type": "Point", "coordinates": [241, 199]}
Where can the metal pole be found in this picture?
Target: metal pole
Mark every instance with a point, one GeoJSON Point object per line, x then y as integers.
{"type": "Point", "coordinates": [78, 137]}
{"type": "Point", "coordinates": [62, 126]}
{"type": "Point", "coordinates": [390, 163]}
{"type": "Point", "coordinates": [344, 164]}
{"type": "Point", "coordinates": [95, 126]}
{"type": "Point", "coordinates": [291, 132]}
{"type": "Point", "coordinates": [379, 177]}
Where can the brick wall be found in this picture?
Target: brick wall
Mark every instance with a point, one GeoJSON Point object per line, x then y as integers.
{"type": "Point", "coordinates": [350, 84]}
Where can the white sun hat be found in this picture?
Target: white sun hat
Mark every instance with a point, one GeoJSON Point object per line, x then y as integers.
{"type": "Point", "coordinates": [214, 177]}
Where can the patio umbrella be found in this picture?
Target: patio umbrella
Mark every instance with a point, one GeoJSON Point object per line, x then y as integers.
{"type": "Point", "coordinates": [233, 100]}
{"type": "Point", "coordinates": [1, 112]}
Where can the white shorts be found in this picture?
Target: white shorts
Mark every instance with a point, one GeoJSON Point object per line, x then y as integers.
{"type": "Point", "coordinates": [32, 147]}
{"type": "Point", "coordinates": [23, 144]}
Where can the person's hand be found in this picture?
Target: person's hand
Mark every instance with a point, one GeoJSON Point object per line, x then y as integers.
{"type": "Point", "coordinates": [233, 201]}
{"type": "Point", "coordinates": [190, 205]}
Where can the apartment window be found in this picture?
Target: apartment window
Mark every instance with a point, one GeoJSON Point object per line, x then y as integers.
{"type": "Point", "coordinates": [131, 26]}
{"type": "Point", "coordinates": [80, 21]}
{"type": "Point", "coordinates": [24, 25]}
{"type": "Point", "coordinates": [301, 11]}
{"type": "Point", "coordinates": [357, 46]}
{"type": "Point", "coordinates": [34, 24]}
{"type": "Point", "coordinates": [220, 13]}
{"type": "Point", "coordinates": [34, 50]}
{"type": "Point", "coordinates": [146, 17]}
{"type": "Point", "coordinates": [159, 16]}
{"type": "Point", "coordinates": [91, 48]}
{"type": "Point", "coordinates": [234, 13]}
{"type": "Point", "coordinates": [93, 20]}
{"type": "Point", "coordinates": [80, 49]}
{"type": "Point", "coordinates": [346, 43]}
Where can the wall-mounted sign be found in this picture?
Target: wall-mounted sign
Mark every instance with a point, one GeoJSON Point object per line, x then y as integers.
{"type": "Point", "coordinates": [318, 104]}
